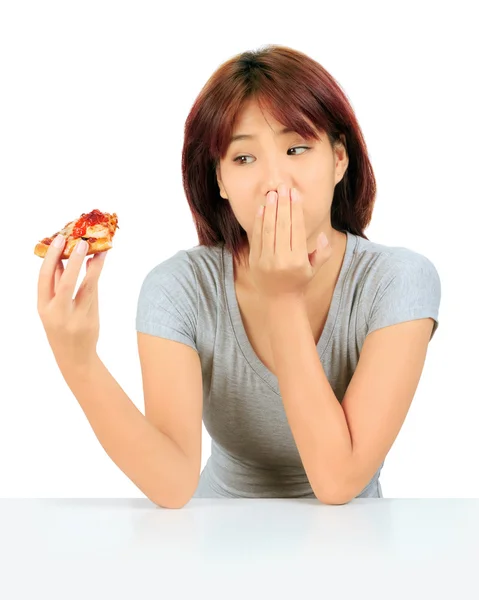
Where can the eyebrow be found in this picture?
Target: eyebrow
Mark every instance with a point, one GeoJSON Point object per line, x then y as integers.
{"type": "Point", "coordinates": [244, 136]}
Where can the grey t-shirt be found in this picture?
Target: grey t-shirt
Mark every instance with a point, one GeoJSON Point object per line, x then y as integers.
{"type": "Point", "coordinates": [190, 298]}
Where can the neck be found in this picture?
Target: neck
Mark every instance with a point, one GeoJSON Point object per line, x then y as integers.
{"type": "Point", "coordinates": [322, 282]}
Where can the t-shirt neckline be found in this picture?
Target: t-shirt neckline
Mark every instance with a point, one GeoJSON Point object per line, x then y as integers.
{"type": "Point", "coordinates": [237, 322]}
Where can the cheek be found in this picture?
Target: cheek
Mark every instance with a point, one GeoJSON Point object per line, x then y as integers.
{"type": "Point", "coordinates": [245, 215]}
{"type": "Point", "coordinates": [314, 211]}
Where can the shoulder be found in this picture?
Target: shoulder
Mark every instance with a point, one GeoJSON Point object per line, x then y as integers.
{"type": "Point", "coordinates": [382, 264]}
{"type": "Point", "coordinates": [169, 299]}
{"type": "Point", "coordinates": [398, 284]}
{"type": "Point", "coordinates": [185, 266]}
{"type": "Point", "coordinates": [179, 279]}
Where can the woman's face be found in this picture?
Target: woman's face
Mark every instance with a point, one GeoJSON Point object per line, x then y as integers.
{"type": "Point", "coordinates": [254, 166]}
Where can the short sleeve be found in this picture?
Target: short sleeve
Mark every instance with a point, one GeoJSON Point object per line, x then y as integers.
{"type": "Point", "coordinates": [411, 290]}
{"type": "Point", "coordinates": [167, 304]}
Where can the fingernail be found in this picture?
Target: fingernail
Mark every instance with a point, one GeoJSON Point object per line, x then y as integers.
{"type": "Point", "coordinates": [58, 241]}
{"type": "Point", "coordinates": [82, 247]}
{"type": "Point", "coordinates": [102, 255]}
{"type": "Point", "coordinates": [323, 240]}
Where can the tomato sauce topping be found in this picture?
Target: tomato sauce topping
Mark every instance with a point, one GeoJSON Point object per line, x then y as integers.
{"type": "Point", "coordinates": [88, 220]}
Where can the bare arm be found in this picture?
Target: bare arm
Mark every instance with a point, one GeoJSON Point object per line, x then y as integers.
{"type": "Point", "coordinates": [149, 458]}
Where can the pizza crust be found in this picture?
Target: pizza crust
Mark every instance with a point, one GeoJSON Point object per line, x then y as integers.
{"type": "Point", "coordinates": [99, 236]}
{"type": "Point", "coordinates": [100, 245]}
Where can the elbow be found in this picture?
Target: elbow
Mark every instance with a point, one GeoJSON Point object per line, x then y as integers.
{"type": "Point", "coordinates": [164, 505]}
{"type": "Point", "coordinates": [178, 498]}
{"type": "Point", "coordinates": [178, 492]}
{"type": "Point", "coordinates": [335, 501]}
{"type": "Point", "coordinates": [334, 496]}
{"type": "Point", "coordinates": [175, 503]}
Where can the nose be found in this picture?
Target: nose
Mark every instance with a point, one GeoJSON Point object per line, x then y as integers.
{"type": "Point", "coordinates": [275, 173]}
{"type": "Point", "coordinates": [275, 187]}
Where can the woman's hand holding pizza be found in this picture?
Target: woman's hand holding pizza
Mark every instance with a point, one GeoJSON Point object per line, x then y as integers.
{"type": "Point", "coordinates": [71, 324]}
{"type": "Point", "coordinates": [279, 262]}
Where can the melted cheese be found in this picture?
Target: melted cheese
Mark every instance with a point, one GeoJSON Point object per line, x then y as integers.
{"type": "Point", "coordinates": [97, 231]}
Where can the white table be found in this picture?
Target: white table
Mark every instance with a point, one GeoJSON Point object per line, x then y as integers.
{"type": "Point", "coordinates": [249, 549]}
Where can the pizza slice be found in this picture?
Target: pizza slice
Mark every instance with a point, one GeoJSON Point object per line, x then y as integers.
{"type": "Point", "coordinates": [96, 228]}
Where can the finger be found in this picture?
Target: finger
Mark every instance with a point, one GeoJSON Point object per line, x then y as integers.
{"type": "Point", "coordinates": [256, 237]}
{"type": "Point", "coordinates": [94, 301]}
{"type": "Point", "coordinates": [58, 273]}
{"type": "Point", "coordinates": [269, 225]}
{"type": "Point", "coordinates": [299, 243]}
{"type": "Point", "coordinates": [67, 283]}
{"type": "Point", "coordinates": [283, 222]}
{"type": "Point", "coordinates": [91, 304]}
{"type": "Point", "coordinates": [46, 277]}
{"type": "Point", "coordinates": [93, 307]}
{"type": "Point", "coordinates": [87, 294]}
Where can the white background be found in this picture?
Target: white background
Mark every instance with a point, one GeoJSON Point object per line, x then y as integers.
{"type": "Point", "coordinates": [94, 96]}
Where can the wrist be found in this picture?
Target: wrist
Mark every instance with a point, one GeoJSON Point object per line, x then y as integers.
{"type": "Point", "coordinates": [78, 365]}
{"type": "Point", "coordinates": [280, 308]}
{"type": "Point", "coordinates": [283, 302]}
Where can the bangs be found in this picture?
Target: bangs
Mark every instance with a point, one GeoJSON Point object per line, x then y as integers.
{"type": "Point", "coordinates": [297, 110]}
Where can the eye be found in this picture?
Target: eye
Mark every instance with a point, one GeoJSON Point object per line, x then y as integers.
{"type": "Point", "coordinates": [238, 158]}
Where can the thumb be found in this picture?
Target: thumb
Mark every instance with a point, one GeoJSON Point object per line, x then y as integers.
{"type": "Point", "coordinates": [87, 294]}
{"type": "Point", "coordinates": [312, 257]}
{"type": "Point", "coordinates": [98, 262]}
{"type": "Point", "coordinates": [321, 253]}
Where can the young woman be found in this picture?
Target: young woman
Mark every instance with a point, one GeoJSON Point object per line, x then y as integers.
{"type": "Point", "coordinates": [302, 360]}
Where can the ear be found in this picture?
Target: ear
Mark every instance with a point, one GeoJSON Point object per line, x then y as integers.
{"type": "Point", "coordinates": [342, 159]}
{"type": "Point", "coordinates": [223, 193]}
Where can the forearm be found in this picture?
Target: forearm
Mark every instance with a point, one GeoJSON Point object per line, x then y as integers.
{"type": "Point", "coordinates": [149, 458]}
{"type": "Point", "coordinates": [317, 421]}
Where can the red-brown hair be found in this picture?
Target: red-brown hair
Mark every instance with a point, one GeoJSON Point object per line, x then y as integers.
{"type": "Point", "coordinates": [290, 85]}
